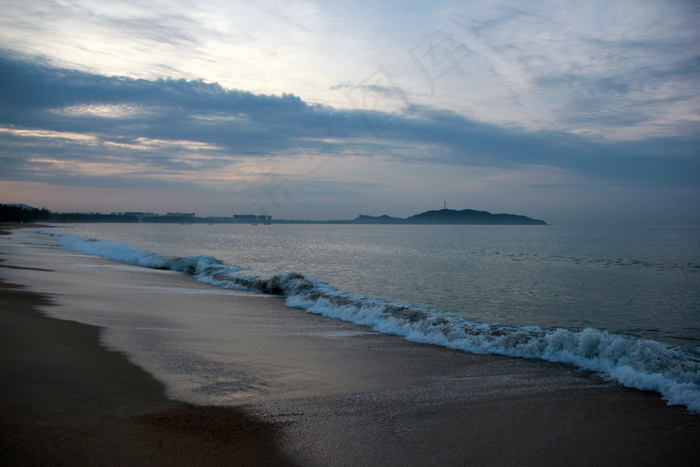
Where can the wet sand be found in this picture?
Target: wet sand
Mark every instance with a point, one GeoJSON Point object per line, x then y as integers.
{"type": "Point", "coordinates": [297, 386]}
{"type": "Point", "coordinates": [66, 400]}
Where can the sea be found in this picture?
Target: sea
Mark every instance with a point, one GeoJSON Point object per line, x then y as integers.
{"type": "Point", "coordinates": [623, 302]}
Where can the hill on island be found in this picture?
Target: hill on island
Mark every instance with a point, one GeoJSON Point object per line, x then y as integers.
{"type": "Point", "coordinates": [451, 216]}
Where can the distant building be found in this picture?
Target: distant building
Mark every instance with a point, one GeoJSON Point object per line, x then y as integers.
{"type": "Point", "coordinates": [180, 214]}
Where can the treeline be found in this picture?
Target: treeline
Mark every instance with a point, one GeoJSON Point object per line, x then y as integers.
{"type": "Point", "coordinates": [76, 217]}
{"type": "Point", "coordinates": [12, 213]}
{"type": "Point", "coordinates": [21, 213]}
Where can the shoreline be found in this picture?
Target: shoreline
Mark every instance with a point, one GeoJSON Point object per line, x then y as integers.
{"type": "Point", "coordinates": [361, 398]}
{"type": "Point", "coordinates": [6, 228]}
{"type": "Point", "coordinates": [67, 400]}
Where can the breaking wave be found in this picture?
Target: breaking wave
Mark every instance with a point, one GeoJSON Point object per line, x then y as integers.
{"type": "Point", "coordinates": [633, 362]}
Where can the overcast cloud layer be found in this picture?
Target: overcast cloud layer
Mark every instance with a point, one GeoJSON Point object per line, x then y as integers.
{"type": "Point", "coordinates": [581, 114]}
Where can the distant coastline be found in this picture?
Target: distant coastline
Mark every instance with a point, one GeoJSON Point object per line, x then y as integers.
{"type": "Point", "coordinates": [23, 213]}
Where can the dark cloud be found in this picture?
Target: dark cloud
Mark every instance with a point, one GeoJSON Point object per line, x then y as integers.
{"type": "Point", "coordinates": [163, 119]}
{"type": "Point", "coordinates": [38, 97]}
{"type": "Point", "coordinates": [27, 87]}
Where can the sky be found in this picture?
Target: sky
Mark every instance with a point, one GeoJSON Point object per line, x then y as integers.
{"type": "Point", "coordinates": [578, 113]}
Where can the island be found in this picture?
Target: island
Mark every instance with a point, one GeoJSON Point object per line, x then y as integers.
{"type": "Point", "coordinates": [451, 216]}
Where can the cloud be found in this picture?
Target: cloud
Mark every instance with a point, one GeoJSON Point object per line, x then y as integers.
{"type": "Point", "coordinates": [77, 128]}
{"type": "Point", "coordinates": [35, 96]}
{"type": "Point", "coordinates": [621, 70]}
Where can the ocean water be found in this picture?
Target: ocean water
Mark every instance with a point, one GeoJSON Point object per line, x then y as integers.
{"type": "Point", "coordinates": [623, 302]}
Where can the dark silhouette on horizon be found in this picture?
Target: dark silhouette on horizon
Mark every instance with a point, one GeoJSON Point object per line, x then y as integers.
{"type": "Point", "coordinates": [24, 213]}
{"type": "Point", "coordinates": [451, 216]}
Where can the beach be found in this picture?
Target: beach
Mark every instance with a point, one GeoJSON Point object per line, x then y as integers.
{"type": "Point", "coordinates": [299, 389]}
{"type": "Point", "coordinates": [66, 400]}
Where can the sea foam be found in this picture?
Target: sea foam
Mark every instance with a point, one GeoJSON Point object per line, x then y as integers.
{"type": "Point", "coordinates": [633, 362]}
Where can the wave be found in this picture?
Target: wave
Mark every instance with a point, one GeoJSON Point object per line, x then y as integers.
{"type": "Point", "coordinates": [633, 362]}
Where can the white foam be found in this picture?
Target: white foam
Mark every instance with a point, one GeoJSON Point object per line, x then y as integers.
{"type": "Point", "coordinates": [122, 252]}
